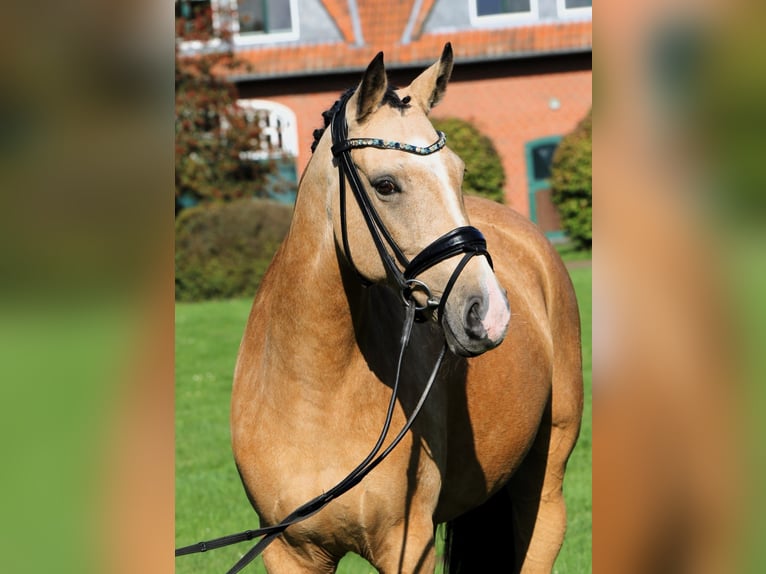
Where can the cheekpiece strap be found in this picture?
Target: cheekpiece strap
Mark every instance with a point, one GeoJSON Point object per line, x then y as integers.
{"type": "Point", "coordinates": [346, 145]}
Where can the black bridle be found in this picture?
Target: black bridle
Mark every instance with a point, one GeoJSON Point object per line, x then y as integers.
{"type": "Point", "coordinates": [466, 240]}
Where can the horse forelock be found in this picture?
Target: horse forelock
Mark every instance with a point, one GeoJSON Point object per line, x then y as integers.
{"type": "Point", "coordinates": [390, 98]}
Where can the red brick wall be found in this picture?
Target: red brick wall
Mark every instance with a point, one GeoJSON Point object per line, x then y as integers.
{"type": "Point", "coordinates": [508, 101]}
{"type": "Point", "coordinates": [512, 111]}
{"type": "Point", "coordinates": [308, 109]}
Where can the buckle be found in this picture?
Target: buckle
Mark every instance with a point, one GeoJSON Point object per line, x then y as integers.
{"type": "Point", "coordinates": [409, 288]}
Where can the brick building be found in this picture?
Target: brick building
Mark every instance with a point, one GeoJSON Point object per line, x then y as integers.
{"type": "Point", "coordinates": [522, 71]}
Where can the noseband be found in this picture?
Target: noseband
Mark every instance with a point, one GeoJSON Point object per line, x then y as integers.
{"type": "Point", "coordinates": [466, 240]}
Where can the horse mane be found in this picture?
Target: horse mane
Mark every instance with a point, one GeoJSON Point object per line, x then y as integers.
{"type": "Point", "coordinates": [390, 98]}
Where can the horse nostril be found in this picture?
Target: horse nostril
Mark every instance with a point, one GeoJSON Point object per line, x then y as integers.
{"type": "Point", "coordinates": [474, 327]}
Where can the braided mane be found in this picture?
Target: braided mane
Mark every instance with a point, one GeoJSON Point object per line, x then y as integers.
{"type": "Point", "coordinates": [327, 116]}
{"type": "Point", "coordinates": [390, 98]}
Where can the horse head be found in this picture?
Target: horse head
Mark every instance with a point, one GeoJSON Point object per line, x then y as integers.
{"type": "Point", "coordinates": [408, 225]}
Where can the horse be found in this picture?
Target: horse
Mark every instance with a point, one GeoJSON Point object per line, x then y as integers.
{"type": "Point", "coordinates": [317, 363]}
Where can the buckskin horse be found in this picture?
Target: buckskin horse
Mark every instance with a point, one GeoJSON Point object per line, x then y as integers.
{"type": "Point", "coordinates": [385, 258]}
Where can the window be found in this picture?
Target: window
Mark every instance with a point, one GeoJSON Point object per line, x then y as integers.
{"type": "Point", "coordinates": [500, 12]}
{"type": "Point", "coordinates": [278, 142]}
{"type": "Point", "coordinates": [201, 23]}
{"type": "Point", "coordinates": [268, 16]}
{"type": "Point", "coordinates": [278, 130]}
{"type": "Point", "coordinates": [542, 156]}
{"type": "Point", "coordinates": [574, 8]}
{"type": "Point", "coordinates": [494, 7]}
{"type": "Point", "coordinates": [194, 18]}
{"type": "Point", "coordinates": [259, 21]}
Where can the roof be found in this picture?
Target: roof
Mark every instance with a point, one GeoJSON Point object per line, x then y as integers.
{"type": "Point", "coordinates": [398, 29]}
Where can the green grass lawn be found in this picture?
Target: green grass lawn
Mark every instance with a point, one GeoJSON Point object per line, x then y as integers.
{"type": "Point", "coordinates": [210, 500]}
{"type": "Point", "coordinates": [575, 555]}
{"type": "Point", "coordinates": [570, 252]}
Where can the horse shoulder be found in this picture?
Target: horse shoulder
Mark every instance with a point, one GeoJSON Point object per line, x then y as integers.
{"type": "Point", "coordinates": [545, 320]}
{"type": "Point", "coordinates": [538, 283]}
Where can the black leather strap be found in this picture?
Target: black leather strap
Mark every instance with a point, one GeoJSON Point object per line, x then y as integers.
{"type": "Point", "coordinates": [379, 232]}
{"type": "Point", "coordinates": [465, 239]}
{"type": "Point", "coordinates": [460, 240]}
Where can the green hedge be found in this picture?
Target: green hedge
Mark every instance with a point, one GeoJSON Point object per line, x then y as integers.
{"type": "Point", "coordinates": [224, 249]}
{"type": "Point", "coordinates": [572, 183]}
{"type": "Point", "coordinates": [484, 174]}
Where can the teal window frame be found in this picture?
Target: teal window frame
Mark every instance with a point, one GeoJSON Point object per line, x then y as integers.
{"type": "Point", "coordinates": [536, 185]}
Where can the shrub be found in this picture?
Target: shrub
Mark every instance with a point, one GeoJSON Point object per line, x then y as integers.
{"type": "Point", "coordinates": [484, 173]}
{"type": "Point", "coordinates": [224, 249]}
{"type": "Point", "coordinates": [572, 183]}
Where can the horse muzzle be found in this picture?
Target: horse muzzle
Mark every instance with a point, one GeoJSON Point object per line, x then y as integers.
{"type": "Point", "coordinates": [477, 316]}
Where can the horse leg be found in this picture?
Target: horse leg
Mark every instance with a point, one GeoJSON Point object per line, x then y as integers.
{"type": "Point", "coordinates": [406, 548]}
{"type": "Point", "coordinates": [481, 540]}
{"type": "Point", "coordinates": [537, 500]}
{"type": "Point", "coordinates": [282, 558]}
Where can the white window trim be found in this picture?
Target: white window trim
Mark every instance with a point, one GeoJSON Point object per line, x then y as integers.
{"type": "Point", "coordinates": [584, 13]}
{"type": "Point", "coordinates": [247, 38]}
{"type": "Point", "coordinates": [254, 38]}
{"type": "Point", "coordinates": [194, 46]}
{"type": "Point", "coordinates": [289, 128]}
{"type": "Point", "coordinates": [502, 20]}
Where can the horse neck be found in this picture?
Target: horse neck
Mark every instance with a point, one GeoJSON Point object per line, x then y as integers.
{"type": "Point", "coordinates": [318, 308]}
{"type": "Point", "coordinates": [307, 295]}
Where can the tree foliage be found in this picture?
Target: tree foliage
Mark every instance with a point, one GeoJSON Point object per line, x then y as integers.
{"type": "Point", "coordinates": [572, 183]}
{"type": "Point", "coordinates": [212, 133]}
{"type": "Point", "coordinates": [484, 174]}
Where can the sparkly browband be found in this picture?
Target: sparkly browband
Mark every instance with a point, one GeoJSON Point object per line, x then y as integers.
{"type": "Point", "coordinates": [383, 144]}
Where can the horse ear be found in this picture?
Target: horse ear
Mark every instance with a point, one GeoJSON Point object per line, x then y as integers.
{"type": "Point", "coordinates": [429, 87]}
{"type": "Point", "coordinates": [370, 93]}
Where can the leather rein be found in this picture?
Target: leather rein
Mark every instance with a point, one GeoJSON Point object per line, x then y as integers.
{"type": "Point", "coordinates": [466, 240]}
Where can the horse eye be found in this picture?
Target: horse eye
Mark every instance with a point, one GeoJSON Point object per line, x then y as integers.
{"type": "Point", "coordinates": [385, 187]}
